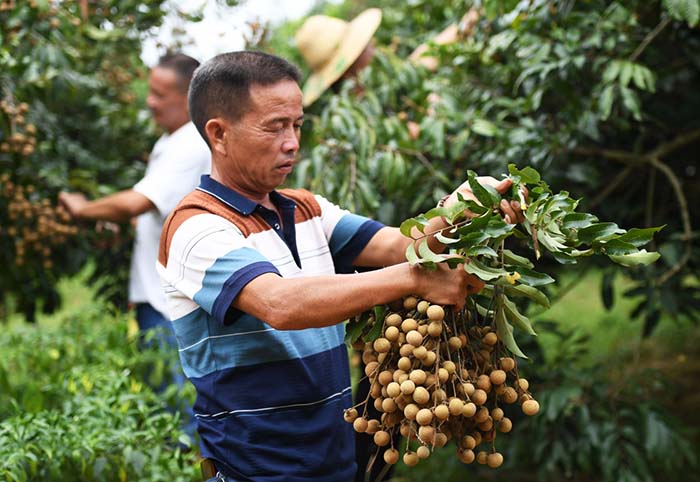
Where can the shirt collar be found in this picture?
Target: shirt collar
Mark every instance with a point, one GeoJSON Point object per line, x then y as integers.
{"type": "Point", "coordinates": [238, 201]}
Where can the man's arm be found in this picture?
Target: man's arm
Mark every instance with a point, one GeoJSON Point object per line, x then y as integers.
{"type": "Point", "coordinates": [118, 207]}
{"type": "Point", "coordinates": [313, 302]}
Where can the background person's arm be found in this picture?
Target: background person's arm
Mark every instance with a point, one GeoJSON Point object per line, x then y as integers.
{"type": "Point", "coordinates": [118, 207]}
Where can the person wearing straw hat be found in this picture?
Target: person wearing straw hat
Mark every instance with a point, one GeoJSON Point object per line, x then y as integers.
{"type": "Point", "coordinates": [335, 49]}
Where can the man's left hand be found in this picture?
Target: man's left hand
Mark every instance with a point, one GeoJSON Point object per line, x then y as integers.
{"type": "Point", "coordinates": [512, 211]}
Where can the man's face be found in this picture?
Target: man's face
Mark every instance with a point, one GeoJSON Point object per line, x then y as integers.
{"type": "Point", "coordinates": [166, 99]}
{"type": "Point", "coordinates": [262, 145]}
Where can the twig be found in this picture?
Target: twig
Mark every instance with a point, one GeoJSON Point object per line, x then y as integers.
{"type": "Point", "coordinates": [649, 37]}
{"type": "Point", "coordinates": [610, 187]}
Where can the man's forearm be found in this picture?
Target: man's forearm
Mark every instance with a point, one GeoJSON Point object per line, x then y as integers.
{"type": "Point", "coordinates": [119, 207]}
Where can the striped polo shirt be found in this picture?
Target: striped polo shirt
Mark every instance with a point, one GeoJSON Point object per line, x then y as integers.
{"type": "Point", "coordinates": [269, 402]}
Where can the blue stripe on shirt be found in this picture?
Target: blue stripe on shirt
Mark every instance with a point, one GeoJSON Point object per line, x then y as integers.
{"type": "Point", "coordinates": [349, 238]}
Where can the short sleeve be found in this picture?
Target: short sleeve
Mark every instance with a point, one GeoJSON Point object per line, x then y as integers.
{"type": "Point", "coordinates": [177, 173]}
{"type": "Point", "coordinates": [210, 262]}
{"type": "Point", "coordinates": [347, 233]}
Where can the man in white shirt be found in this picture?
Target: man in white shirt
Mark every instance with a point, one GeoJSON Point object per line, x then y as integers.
{"type": "Point", "coordinates": [175, 165]}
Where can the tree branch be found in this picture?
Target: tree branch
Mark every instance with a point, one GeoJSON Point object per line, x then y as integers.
{"type": "Point", "coordinates": [649, 37]}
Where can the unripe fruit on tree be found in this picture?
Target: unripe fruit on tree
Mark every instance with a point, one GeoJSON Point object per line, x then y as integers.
{"type": "Point", "coordinates": [414, 338]}
{"type": "Point", "coordinates": [350, 415]}
{"type": "Point", "coordinates": [424, 416]}
{"type": "Point", "coordinates": [436, 313]}
{"type": "Point", "coordinates": [498, 377]}
{"type": "Point", "coordinates": [391, 456]}
{"type": "Point", "coordinates": [360, 425]}
{"type": "Point", "coordinates": [382, 438]}
{"type": "Point", "coordinates": [382, 345]}
{"type": "Point", "coordinates": [410, 303]}
{"type": "Point", "coordinates": [435, 328]}
{"type": "Point", "coordinates": [423, 452]}
{"type": "Point", "coordinates": [507, 364]}
{"type": "Point", "coordinates": [494, 460]}
{"type": "Point", "coordinates": [531, 407]}
{"type": "Point", "coordinates": [391, 333]}
{"type": "Point", "coordinates": [409, 324]}
{"type": "Point", "coordinates": [410, 459]}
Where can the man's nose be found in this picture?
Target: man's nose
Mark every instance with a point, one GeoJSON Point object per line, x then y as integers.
{"type": "Point", "coordinates": [291, 142]}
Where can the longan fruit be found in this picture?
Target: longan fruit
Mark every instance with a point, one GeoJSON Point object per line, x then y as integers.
{"type": "Point", "coordinates": [372, 426]}
{"type": "Point", "coordinates": [370, 368]}
{"type": "Point", "coordinates": [497, 414]}
{"type": "Point", "coordinates": [393, 389]}
{"type": "Point", "coordinates": [391, 456]}
{"type": "Point", "coordinates": [391, 333]}
{"type": "Point", "coordinates": [410, 303]}
{"type": "Point", "coordinates": [429, 359]}
{"type": "Point", "coordinates": [456, 406]}
{"type": "Point", "coordinates": [406, 349]}
{"type": "Point", "coordinates": [410, 459]}
{"type": "Point", "coordinates": [505, 425]}
{"type": "Point", "coordinates": [426, 433]}
{"type": "Point", "coordinates": [350, 415]}
{"type": "Point", "coordinates": [424, 416]}
{"type": "Point", "coordinates": [442, 412]}
{"type": "Point", "coordinates": [404, 363]}
{"type": "Point", "coordinates": [507, 364]}
{"type": "Point", "coordinates": [479, 396]}
{"type": "Point", "coordinates": [469, 410]}
{"type": "Point", "coordinates": [382, 345]}
{"type": "Point", "coordinates": [422, 306]}
{"type": "Point", "coordinates": [385, 377]}
{"type": "Point", "coordinates": [490, 339]}
{"type": "Point", "coordinates": [468, 389]}
{"type": "Point", "coordinates": [454, 343]}
{"type": "Point", "coordinates": [468, 442]}
{"type": "Point", "coordinates": [421, 396]}
{"type": "Point", "coordinates": [394, 319]}
{"type": "Point", "coordinates": [498, 377]}
{"type": "Point", "coordinates": [409, 324]}
{"type": "Point", "coordinates": [510, 395]}
{"type": "Point", "coordinates": [423, 452]}
{"type": "Point", "coordinates": [523, 384]}
{"type": "Point", "coordinates": [420, 352]}
{"type": "Point", "coordinates": [414, 338]}
{"type": "Point", "coordinates": [389, 405]}
{"type": "Point", "coordinates": [360, 425]}
{"type": "Point", "coordinates": [494, 460]}
{"type": "Point", "coordinates": [531, 407]}
{"type": "Point", "coordinates": [411, 411]}
{"type": "Point", "coordinates": [466, 456]}
{"type": "Point", "coordinates": [435, 313]}
{"type": "Point", "coordinates": [417, 376]}
{"type": "Point", "coordinates": [440, 439]}
{"type": "Point", "coordinates": [482, 457]}
{"type": "Point", "coordinates": [449, 366]}
{"type": "Point", "coordinates": [382, 438]}
{"type": "Point", "coordinates": [408, 387]}
{"type": "Point", "coordinates": [484, 382]}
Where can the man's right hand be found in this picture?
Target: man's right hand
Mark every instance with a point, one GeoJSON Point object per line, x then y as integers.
{"type": "Point", "coordinates": [446, 286]}
{"type": "Point", "coordinates": [73, 202]}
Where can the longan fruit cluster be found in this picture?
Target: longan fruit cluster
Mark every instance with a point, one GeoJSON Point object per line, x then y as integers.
{"type": "Point", "coordinates": [436, 376]}
{"type": "Point", "coordinates": [36, 227]}
{"type": "Point", "coordinates": [22, 140]}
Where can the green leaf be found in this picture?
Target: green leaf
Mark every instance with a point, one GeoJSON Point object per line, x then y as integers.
{"type": "Point", "coordinates": [482, 271]}
{"type": "Point", "coordinates": [605, 101]}
{"type": "Point", "coordinates": [578, 220]}
{"type": "Point", "coordinates": [518, 319]}
{"type": "Point", "coordinates": [484, 127]}
{"type": "Point", "coordinates": [513, 259]}
{"type": "Point", "coordinates": [533, 278]}
{"type": "Point", "coordinates": [626, 73]}
{"type": "Point", "coordinates": [419, 222]}
{"type": "Point", "coordinates": [355, 327]}
{"type": "Point", "coordinates": [640, 237]}
{"type": "Point", "coordinates": [411, 255]}
{"type": "Point", "coordinates": [427, 255]}
{"type": "Point", "coordinates": [527, 291]}
{"type": "Point", "coordinates": [486, 195]}
{"type": "Point", "coordinates": [376, 330]}
{"type": "Point", "coordinates": [480, 251]}
{"type": "Point", "coordinates": [599, 232]}
{"type": "Point", "coordinates": [505, 332]}
{"type": "Point", "coordinates": [642, 257]}
{"type": "Point", "coordinates": [527, 175]}
{"type": "Point", "coordinates": [688, 10]}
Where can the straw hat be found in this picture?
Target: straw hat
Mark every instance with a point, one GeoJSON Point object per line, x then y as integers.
{"type": "Point", "coordinates": [330, 45]}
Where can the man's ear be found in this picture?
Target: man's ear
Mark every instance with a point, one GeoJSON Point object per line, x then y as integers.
{"type": "Point", "coordinates": [217, 129]}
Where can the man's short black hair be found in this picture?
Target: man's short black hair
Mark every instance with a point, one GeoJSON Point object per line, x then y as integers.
{"type": "Point", "coordinates": [221, 86]}
{"type": "Point", "coordinates": [183, 65]}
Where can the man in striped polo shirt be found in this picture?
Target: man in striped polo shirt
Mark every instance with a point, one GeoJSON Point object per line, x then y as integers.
{"type": "Point", "coordinates": [259, 281]}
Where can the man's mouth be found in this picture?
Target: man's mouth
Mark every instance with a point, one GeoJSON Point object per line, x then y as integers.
{"type": "Point", "coordinates": [286, 167]}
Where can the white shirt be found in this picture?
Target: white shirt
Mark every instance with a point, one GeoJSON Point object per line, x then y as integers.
{"type": "Point", "coordinates": [174, 168]}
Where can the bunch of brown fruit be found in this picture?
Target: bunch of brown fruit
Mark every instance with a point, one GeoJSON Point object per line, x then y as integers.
{"type": "Point", "coordinates": [36, 227]}
{"type": "Point", "coordinates": [22, 140]}
{"type": "Point", "coordinates": [437, 375]}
